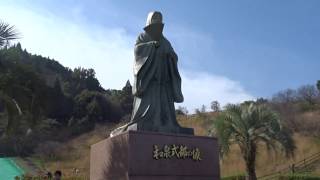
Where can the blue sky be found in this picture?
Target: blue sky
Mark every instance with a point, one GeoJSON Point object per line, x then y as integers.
{"type": "Point", "coordinates": [229, 50]}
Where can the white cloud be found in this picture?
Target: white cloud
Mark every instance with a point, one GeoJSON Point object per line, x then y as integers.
{"type": "Point", "coordinates": [201, 88]}
{"type": "Point", "coordinates": [109, 52]}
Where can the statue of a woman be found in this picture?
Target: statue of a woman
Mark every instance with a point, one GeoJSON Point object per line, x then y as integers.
{"type": "Point", "coordinates": [157, 82]}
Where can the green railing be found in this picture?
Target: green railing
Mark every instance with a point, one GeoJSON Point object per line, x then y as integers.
{"type": "Point", "coordinates": [301, 166]}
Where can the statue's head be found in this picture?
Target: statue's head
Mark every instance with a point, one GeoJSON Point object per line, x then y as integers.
{"type": "Point", "coordinates": [154, 25]}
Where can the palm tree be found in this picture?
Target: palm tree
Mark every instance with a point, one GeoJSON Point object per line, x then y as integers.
{"type": "Point", "coordinates": [7, 33]}
{"type": "Point", "coordinates": [247, 125]}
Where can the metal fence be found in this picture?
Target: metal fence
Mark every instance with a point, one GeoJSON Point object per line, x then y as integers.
{"type": "Point", "coordinates": [304, 165]}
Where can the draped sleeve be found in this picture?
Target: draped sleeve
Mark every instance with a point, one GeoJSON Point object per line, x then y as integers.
{"type": "Point", "coordinates": [174, 73]}
{"type": "Point", "coordinates": [144, 51]}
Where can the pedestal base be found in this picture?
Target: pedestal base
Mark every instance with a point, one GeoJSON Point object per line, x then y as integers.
{"type": "Point", "coordinates": [137, 155]}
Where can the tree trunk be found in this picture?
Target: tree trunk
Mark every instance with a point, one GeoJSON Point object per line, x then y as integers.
{"type": "Point", "coordinates": [250, 159]}
{"type": "Point", "coordinates": [251, 171]}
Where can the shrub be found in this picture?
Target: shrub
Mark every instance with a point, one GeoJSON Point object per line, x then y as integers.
{"type": "Point", "coordinates": [235, 177]}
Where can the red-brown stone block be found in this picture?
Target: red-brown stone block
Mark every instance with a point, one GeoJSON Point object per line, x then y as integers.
{"type": "Point", "coordinates": [130, 156]}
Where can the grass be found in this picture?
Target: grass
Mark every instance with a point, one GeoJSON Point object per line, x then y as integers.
{"type": "Point", "coordinates": [235, 177]}
{"type": "Point", "coordinates": [75, 153]}
{"type": "Point", "coordinates": [299, 177]}
{"type": "Point", "coordinates": [267, 162]}
{"type": "Point", "coordinates": [274, 162]}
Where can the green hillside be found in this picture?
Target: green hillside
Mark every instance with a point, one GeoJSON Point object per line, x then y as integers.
{"type": "Point", "coordinates": [50, 115]}
{"type": "Point", "coordinates": [39, 96]}
{"type": "Point", "coordinates": [74, 154]}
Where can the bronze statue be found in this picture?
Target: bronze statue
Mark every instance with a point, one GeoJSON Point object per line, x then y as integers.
{"type": "Point", "coordinates": [157, 82]}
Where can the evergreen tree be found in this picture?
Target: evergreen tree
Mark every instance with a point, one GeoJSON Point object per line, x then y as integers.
{"type": "Point", "coordinates": [126, 99]}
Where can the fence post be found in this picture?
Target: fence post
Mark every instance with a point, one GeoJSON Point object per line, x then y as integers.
{"type": "Point", "coordinates": [292, 168]}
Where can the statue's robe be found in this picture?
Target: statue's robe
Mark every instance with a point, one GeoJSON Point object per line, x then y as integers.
{"type": "Point", "coordinates": [157, 86]}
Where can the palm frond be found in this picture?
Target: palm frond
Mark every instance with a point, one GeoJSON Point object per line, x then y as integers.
{"type": "Point", "coordinates": [7, 33]}
{"type": "Point", "coordinates": [248, 124]}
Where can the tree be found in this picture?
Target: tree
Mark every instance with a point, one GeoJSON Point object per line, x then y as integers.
{"type": "Point", "coordinates": [318, 85]}
{"type": "Point", "coordinates": [84, 79]}
{"type": "Point", "coordinates": [261, 101]}
{"type": "Point", "coordinates": [59, 106]}
{"type": "Point", "coordinates": [182, 110]}
{"type": "Point", "coordinates": [96, 107]}
{"type": "Point", "coordinates": [203, 109]}
{"type": "Point", "coordinates": [94, 110]}
{"type": "Point", "coordinates": [308, 93]}
{"type": "Point", "coordinates": [247, 125]}
{"type": "Point", "coordinates": [126, 98]}
{"type": "Point", "coordinates": [26, 91]}
{"type": "Point", "coordinates": [215, 106]}
{"type": "Point", "coordinates": [7, 33]}
{"type": "Point", "coordinates": [14, 112]}
{"type": "Point", "coordinates": [285, 96]}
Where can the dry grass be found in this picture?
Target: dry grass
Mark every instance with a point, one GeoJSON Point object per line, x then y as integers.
{"type": "Point", "coordinates": [269, 162]}
{"type": "Point", "coordinates": [199, 124]}
{"type": "Point", "coordinates": [75, 153]}
{"type": "Point", "coordinates": [309, 123]}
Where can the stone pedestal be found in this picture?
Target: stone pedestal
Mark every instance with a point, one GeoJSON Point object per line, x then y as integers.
{"type": "Point", "coordinates": [137, 155]}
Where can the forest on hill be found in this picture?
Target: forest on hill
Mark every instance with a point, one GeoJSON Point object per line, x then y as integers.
{"type": "Point", "coordinates": [46, 108]}
{"type": "Point", "coordinates": [42, 100]}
